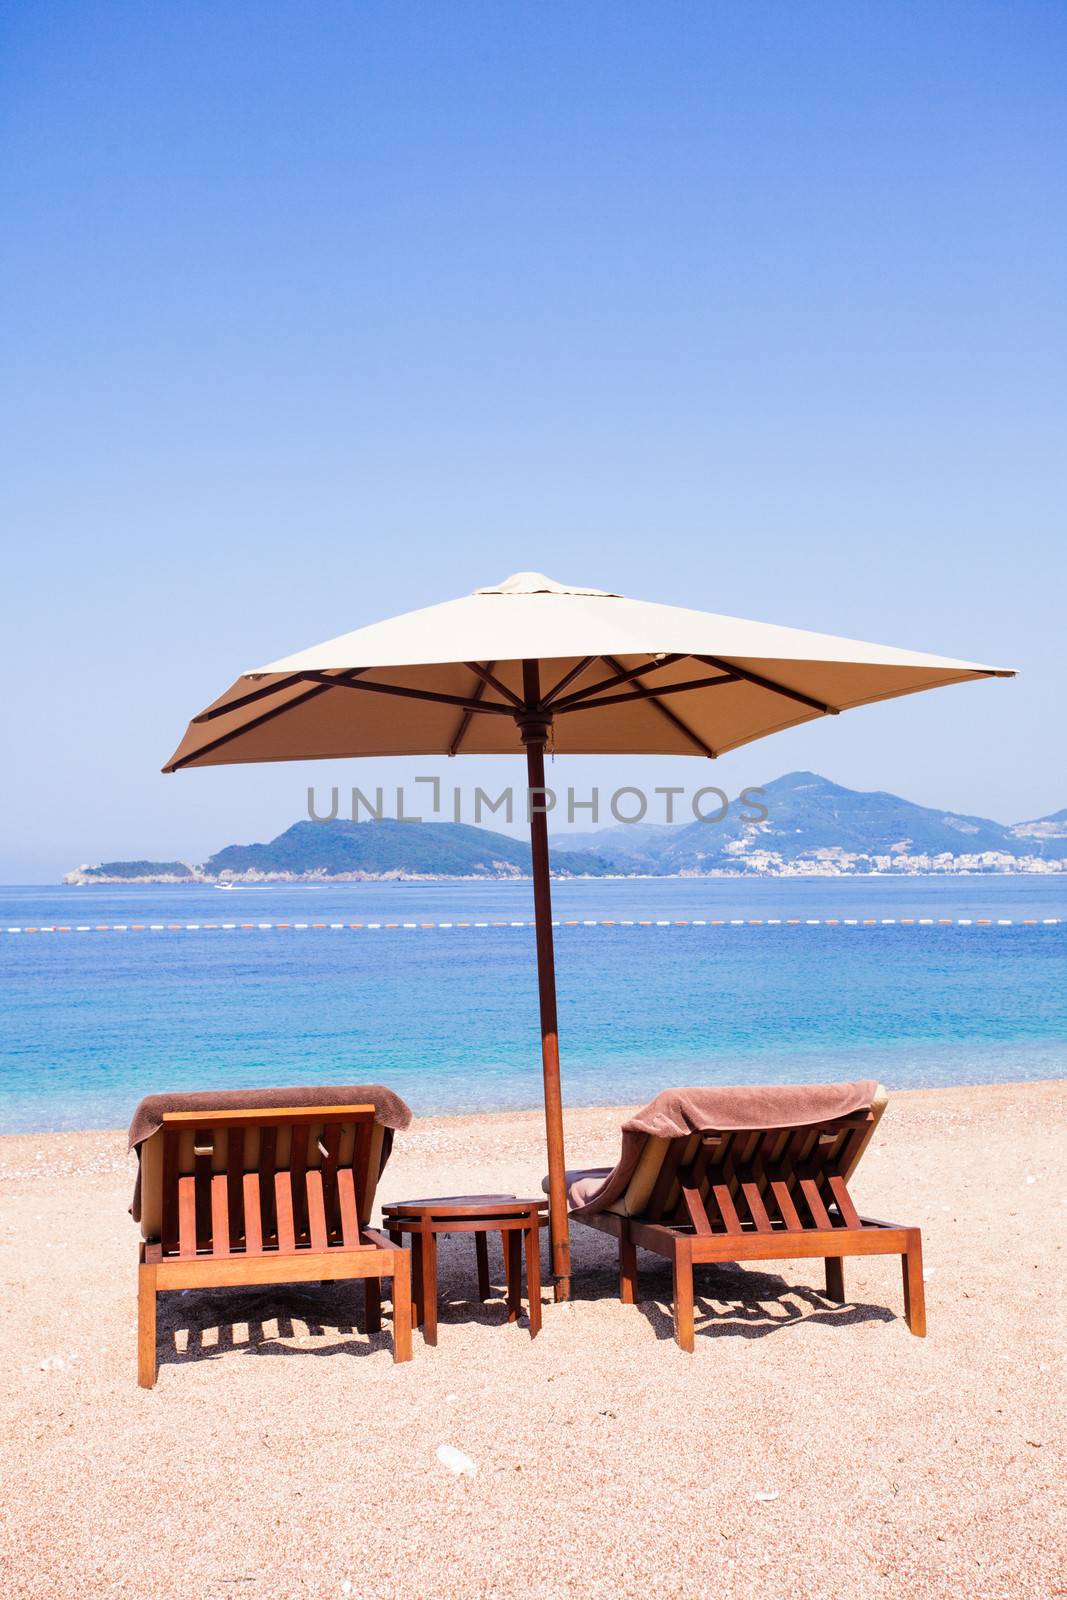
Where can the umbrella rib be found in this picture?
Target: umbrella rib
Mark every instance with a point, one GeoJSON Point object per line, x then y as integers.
{"type": "Point", "coordinates": [257, 722]}
{"type": "Point", "coordinates": [252, 696]}
{"type": "Point", "coordinates": [486, 675]}
{"type": "Point", "coordinates": [466, 704]}
{"type": "Point", "coordinates": [665, 711]}
{"type": "Point", "coordinates": [769, 683]}
{"type": "Point", "coordinates": [641, 691]}
{"type": "Point", "coordinates": [621, 676]}
{"type": "Point", "coordinates": [568, 677]}
{"type": "Point", "coordinates": [465, 719]}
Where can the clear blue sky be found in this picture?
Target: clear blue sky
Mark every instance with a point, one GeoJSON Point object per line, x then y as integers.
{"type": "Point", "coordinates": [314, 313]}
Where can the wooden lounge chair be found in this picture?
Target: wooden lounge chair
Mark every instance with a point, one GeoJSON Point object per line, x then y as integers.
{"type": "Point", "coordinates": [231, 1192]}
{"type": "Point", "coordinates": [745, 1175]}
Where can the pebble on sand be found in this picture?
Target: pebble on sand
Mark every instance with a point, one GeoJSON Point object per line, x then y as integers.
{"type": "Point", "coordinates": [456, 1461]}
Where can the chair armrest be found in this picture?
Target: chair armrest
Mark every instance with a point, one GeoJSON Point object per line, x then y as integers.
{"type": "Point", "coordinates": [375, 1237]}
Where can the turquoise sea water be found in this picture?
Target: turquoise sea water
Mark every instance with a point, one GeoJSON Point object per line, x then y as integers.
{"type": "Point", "coordinates": [448, 1016]}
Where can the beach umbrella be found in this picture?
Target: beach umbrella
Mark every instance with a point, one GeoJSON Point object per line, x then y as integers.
{"type": "Point", "coordinates": [532, 664]}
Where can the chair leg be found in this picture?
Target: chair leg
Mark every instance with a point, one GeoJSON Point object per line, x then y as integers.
{"type": "Point", "coordinates": [481, 1250]}
{"type": "Point", "coordinates": [147, 1358]}
{"type": "Point", "coordinates": [533, 1275]}
{"type": "Point", "coordinates": [372, 1305]}
{"type": "Point", "coordinates": [627, 1269]}
{"type": "Point", "coordinates": [835, 1278]}
{"type": "Point", "coordinates": [401, 1305]}
{"type": "Point", "coordinates": [513, 1258]}
{"type": "Point", "coordinates": [914, 1293]}
{"type": "Point", "coordinates": [683, 1295]}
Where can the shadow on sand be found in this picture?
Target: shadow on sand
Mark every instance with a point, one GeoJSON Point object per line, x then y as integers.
{"type": "Point", "coordinates": [731, 1302]}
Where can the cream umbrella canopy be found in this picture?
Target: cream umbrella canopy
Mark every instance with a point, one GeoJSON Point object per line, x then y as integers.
{"type": "Point", "coordinates": [528, 663]}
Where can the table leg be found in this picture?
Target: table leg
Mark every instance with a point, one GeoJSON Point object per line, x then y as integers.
{"type": "Point", "coordinates": [429, 1286]}
{"type": "Point", "coordinates": [513, 1252]}
{"type": "Point", "coordinates": [481, 1250]}
{"type": "Point", "coordinates": [533, 1273]}
{"type": "Point", "coordinates": [417, 1294]}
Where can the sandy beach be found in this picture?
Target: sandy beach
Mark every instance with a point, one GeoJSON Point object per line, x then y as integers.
{"type": "Point", "coordinates": [804, 1450]}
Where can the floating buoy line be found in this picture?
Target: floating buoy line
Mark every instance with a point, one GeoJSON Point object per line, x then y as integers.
{"type": "Point", "coordinates": [568, 922]}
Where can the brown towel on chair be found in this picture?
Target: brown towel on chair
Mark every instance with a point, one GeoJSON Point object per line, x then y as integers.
{"type": "Point", "coordinates": [389, 1110]}
{"type": "Point", "coordinates": [678, 1112]}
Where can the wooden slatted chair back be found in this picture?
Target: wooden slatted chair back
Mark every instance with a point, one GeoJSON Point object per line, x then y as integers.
{"type": "Point", "coordinates": [763, 1181]}
{"type": "Point", "coordinates": [251, 1183]}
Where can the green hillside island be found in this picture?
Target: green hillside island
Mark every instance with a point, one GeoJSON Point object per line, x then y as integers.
{"type": "Point", "coordinates": [813, 828]}
{"type": "Point", "coordinates": [390, 849]}
{"type": "Point", "coordinates": [136, 872]}
{"type": "Point", "coordinates": [340, 851]}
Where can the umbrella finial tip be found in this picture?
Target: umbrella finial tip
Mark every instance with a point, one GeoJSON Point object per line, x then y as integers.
{"type": "Point", "coordinates": [537, 583]}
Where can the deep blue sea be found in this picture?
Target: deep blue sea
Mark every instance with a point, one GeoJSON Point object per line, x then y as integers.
{"type": "Point", "coordinates": [90, 1021]}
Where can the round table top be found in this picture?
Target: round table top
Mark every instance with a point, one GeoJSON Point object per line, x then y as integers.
{"type": "Point", "coordinates": [461, 1205]}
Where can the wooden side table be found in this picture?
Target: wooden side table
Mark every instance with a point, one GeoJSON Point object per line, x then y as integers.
{"type": "Point", "coordinates": [517, 1221]}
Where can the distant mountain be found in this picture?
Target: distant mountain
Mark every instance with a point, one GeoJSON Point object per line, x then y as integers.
{"type": "Point", "coordinates": [1044, 829]}
{"type": "Point", "coordinates": [379, 849]}
{"type": "Point", "coordinates": [811, 818]}
{"type": "Point", "coordinates": [812, 827]}
{"type": "Point", "coordinates": [640, 841]}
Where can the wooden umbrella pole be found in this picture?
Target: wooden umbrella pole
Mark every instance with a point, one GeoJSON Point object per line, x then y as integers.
{"type": "Point", "coordinates": [533, 728]}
